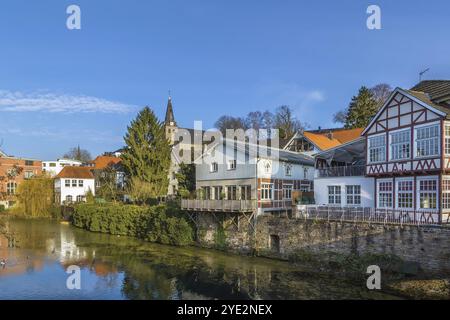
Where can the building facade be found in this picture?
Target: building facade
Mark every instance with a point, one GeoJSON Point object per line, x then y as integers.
{"type": "Point", "coordinates": [72, 184]}
{"type": "Point", "coordinates": [408, 150]}
{"type": "Point", "coordinates": [13, 171]}
{"type": "Point", "coordinates": [53, 168]}
{"type": "Point", "coordinates": [269, 180]}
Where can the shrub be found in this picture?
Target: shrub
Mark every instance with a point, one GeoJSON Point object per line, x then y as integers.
{"type": "Point", "coordinates": [161, 224]}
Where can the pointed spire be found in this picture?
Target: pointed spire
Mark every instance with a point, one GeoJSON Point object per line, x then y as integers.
{"type": "Point", "coordinates": [170, 118]}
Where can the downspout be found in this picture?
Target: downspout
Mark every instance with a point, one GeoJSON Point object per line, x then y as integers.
{"type": "Point", "coordinates": [256, 204]}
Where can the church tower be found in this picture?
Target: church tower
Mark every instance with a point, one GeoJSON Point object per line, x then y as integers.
{"type": "Point", "coordinates": [169, 122]}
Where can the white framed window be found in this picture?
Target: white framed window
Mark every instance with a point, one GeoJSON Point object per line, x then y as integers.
{"type": "Point", "coordinates": [80, 198]}
{"type": "Point", "coordinates": [385, 194]}
{"type": "Point", "coordinates": [266, 191]}
{"type": "Point", "coordinates": [353, 194]}
{"type": "Point", "coordinates": [80, 183]}
{"type": "Point", "coordinates": [231, 165]}
{"type": "Point", "coordinates": [288, 170]}
{"type": "Point", "coordinates": [427, 141]}
{"type": "Point", "coordinates": [447, 139]}
{"type": "Point", "coordinates": [67, 183]}
{"type": "Point", "coordinates": [427, 189]}
{"type": "Point", "coordinates": [287, 191]}
{"type": "Point", "coordinates": [334, 194]}
{"type": "Point", "coordinates": [214, 167]}
{"type": "Point", "coordinates": [305, 173]}
{"type": "Point", "coordinates": [305, 186]}
{"type": "Point", "coordinates": [446, 193]}
{"type": "Point", "coordinates": [28, 174]}
{"type": "Point", "coordinates": [11, 188]}
{"type": "Point", "coordinates": [69, 199]}
{"type": "Point", "coordinates": [267, 167]}
{"type": "Point", "coordinates": [400, 145]}
{"type": "Point", "coordinates": [405, 194]}
{"type": "Point", "coordinates": [377, 148]}
{"type": "Point", "coordinates": [74, 183]}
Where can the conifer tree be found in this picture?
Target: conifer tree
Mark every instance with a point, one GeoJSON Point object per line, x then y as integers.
{"type": "Point", "coordinates": [147, 153]}
{"type": "Point", "coordinates": [361, 109]}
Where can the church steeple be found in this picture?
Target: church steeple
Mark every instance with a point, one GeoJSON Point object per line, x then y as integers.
{"type": "Point", "coordinates": [170, 119]}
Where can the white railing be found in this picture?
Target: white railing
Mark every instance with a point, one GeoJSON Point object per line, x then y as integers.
{"type": "Point", "coordinates": [218, 205]}
{"type": "Point", "coordinates": [372, 215]}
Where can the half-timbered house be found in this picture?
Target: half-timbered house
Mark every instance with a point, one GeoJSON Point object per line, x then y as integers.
{"type": "Point", "coordinates": [408, 150]}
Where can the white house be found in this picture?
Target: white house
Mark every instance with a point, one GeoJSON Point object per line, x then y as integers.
{"type": "Point", "coordinates": [268, 178]}
{"type": "Point", "coordinates": [73, 183]}
{"type": "Point", "coordinates": [340, 177]}
{"type": "Point", "coordinates": [54, 167]}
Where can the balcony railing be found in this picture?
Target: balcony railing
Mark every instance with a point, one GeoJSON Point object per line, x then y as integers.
{"type": "Point", "coordinates": [218, 205]}
{"type": "Point", "coordinates": [345, 171]}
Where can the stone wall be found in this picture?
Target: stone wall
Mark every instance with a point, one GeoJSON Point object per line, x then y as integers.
{"type": "Point", "coordinates": [281, 237]}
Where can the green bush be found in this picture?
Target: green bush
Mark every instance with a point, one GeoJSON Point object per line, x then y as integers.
{"type": "Point", "coordinates": [161, 224]}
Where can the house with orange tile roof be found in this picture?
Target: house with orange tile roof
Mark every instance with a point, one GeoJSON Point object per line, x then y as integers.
{"type": "Point", "coordinates": [315, 141]}
{"type": "Point", "coordinates": [73, 183]}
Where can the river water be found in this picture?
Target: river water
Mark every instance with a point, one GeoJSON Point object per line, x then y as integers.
{"type": "Point", "coordinates": [38, 253]}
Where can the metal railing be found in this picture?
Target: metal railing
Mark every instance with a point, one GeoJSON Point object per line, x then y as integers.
{"type": "Point", "coordinates": [372, 215]}
{"type": "Point", "coordinates": [345, 171]}
{"type": "Point", "coordinates": [218, 205]}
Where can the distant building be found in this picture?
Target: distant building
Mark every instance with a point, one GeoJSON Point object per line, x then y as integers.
{"type": "Point", "coordinates": [13, 171]}
{"type": "Point", "coordinates": [55, 167]}
{"type": "Point", "coordinates": [73, 183]}
{"type": "Point", "coordinates": [99, 166]}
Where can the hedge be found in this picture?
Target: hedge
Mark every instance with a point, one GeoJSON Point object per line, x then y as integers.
{"type": "Point", "coordinates": [159, 224]}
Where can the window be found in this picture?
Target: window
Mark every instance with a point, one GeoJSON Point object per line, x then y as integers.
{"type": "Point", "coordinates": [231, 193]}
{"type": "Point", "coordinates": [11, 188]}
{"type": "Point", "coordinates": [80, 183]}
{"type": "Point", "coordinates": [401, 145]}
{"type": "Point", "coordinates": [428, 194]}
{"type": "Point", "coordinates": [80, 198]}
{"type": "Point", "coordinates": [305, 173]}
{"type": "Point", "coordinates": [266, 191]}
{"type": "Point", "coordinates": [206, 193]}
{"type": "Point", "coordinates": [385, 194]}
{"type": "Point", "coordinates": [267, 167]}
{"type": "Point", "coordinates": [217, 193]}
{"type": "Point", "coordinates": [377, 148]}
{"type": "Point", "coordinates": [52, 164]}
{"type": "Point", "coordinates": [446, 194]}
{"type": "Point", "coordinates": [447, 139]}
{"type": "Point", "coordinates": [74, 183]}
{"type": "Point", "coordinates": [334, 195]}
{"type": "Point", "coordinates": [69, 199]}
{"type": "Point", "coordinates": [405, 194]}
{"type": "Point", "coordinates": [427, 140]}
{"type": "Point", "coordinates": [67, 183]}
{"type": "Point", "coordinates": [246, 192]}
{"type": "Point", "coordinates": [29, 162]}
{"type": "Point", "coordinates": [288, 170]}
{"type": "Point", "coordinates": [214, 167]}
{"type": "Point", "coordinates": [231, 164]}
{"type": "Point", "coordinates": [353, 195]}
{"type": "Point", "coordinates": [28, 174]}
{"type": "Point", "coordinates": [287, 191]}
{"type": "Point", "coordinates": [305, 187]}
{"type": "Point", "coordinates": [44, 164]}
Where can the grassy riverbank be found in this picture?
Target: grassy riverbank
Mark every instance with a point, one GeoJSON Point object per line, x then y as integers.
{"type": "Point", "coordinates": [162, 223]}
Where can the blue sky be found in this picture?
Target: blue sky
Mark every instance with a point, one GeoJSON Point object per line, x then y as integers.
{"type": "Point", "coordinates": [60, 88]}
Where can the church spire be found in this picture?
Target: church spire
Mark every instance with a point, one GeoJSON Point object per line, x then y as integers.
{"type": "Point", "coordinates": [170, 119]}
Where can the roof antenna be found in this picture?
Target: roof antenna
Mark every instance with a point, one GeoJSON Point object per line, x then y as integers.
{"type": "Point", "coordinates": [422, 72]}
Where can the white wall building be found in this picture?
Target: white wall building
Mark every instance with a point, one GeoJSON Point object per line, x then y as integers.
{"type": "Point", "coordinates": [54, 167]}
{"type": "Point", "coordinates": [73, 183]}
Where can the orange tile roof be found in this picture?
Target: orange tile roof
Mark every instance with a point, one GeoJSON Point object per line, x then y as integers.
{"type": "Point", "coordinates": [76, 172]}
{"type": "Point", "coordinates": [340, 136]}
{"type": "Point", "coordinates": [102, 162]}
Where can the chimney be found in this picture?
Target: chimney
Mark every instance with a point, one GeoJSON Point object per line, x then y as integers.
{"type": "Point", "coordinates": [330, 135]}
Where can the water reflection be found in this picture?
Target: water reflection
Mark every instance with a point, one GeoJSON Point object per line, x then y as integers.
{"type": "Point", "coordinates": [37, 254]}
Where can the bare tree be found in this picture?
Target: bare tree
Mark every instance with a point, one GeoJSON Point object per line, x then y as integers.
{"type": "Point", "coordinates": [229, 122]}
{"type": "Point", "coordinates": [78, 154]}
{"type": "Point", "coordinates": [380, 93]}
{"type": "Point", "coordinates": [286, 122]}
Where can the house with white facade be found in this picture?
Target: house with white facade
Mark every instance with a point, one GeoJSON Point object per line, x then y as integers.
{"type": "Point", "coordinates": [408, 151]}
{"type": "Point", "coordinates": [73, 183]}
{"type": "Point", "coordinates": [238, 176]}
{"type": "Point", "coordinates": [54, 167]}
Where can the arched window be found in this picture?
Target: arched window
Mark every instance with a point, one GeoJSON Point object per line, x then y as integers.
{"type": "Point", "coordinates": [11, 188]}
{"type": "Point", "coordinates": [69, 199]}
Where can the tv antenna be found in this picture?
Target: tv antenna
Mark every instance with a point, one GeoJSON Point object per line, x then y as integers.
{"type": "Point", "coordinates": [422, 72]}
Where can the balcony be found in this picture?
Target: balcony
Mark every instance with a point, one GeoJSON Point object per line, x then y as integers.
{"type": "Point", "coordinates": [218, 205]}
{"type": "Point", "coordinates": [345, 171]}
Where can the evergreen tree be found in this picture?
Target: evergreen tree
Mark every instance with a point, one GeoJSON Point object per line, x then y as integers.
{"type": "Point", "coordinates": [361, 109]}
{"type": "Point", "coordinates": [147, 155]}
{"type": "Point", "coordinates": [186, 179]}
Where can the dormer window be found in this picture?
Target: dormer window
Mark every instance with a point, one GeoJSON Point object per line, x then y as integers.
{"type": "Point", "coordinates": [231, 165]}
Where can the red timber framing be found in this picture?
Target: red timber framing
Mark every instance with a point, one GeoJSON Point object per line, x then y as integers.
{"type": "Point", "coordinates": [402, 112]}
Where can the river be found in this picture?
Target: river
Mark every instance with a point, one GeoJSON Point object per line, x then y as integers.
{"type": "Point", "coordinates": [38, 253]}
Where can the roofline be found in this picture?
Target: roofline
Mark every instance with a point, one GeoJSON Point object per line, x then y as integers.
{"type": "Point", "coordinates": [404, 92]}
{"type": "Point", "coordinates": [340, 146]}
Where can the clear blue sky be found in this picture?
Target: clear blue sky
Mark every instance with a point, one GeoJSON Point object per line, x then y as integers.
{"type": "Point", "coordinates": [61, 88]}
